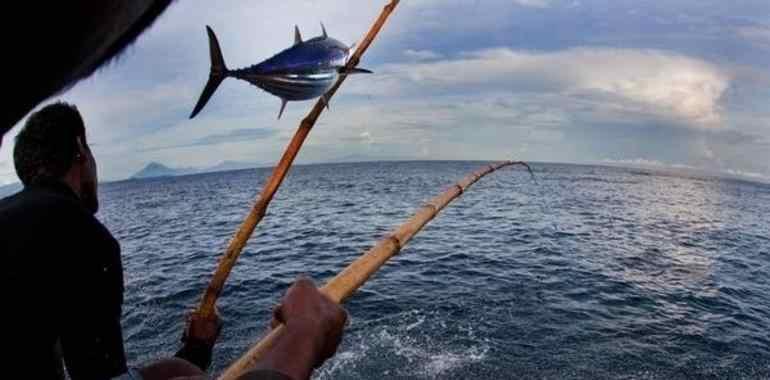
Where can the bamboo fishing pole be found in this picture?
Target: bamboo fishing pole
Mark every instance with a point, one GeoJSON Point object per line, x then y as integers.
{"type": "Point", "coordinates": [359, 271]}
{"type": "Point", "coordinates": [198, 326]}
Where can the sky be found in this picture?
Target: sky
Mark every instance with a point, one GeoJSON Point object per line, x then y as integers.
{"type": "Point", "coordinates": [668, 83]}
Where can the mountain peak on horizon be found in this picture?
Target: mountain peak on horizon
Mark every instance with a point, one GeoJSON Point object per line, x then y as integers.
{"type": "Point", "coordinates": [155, 165]}
{"type": "Point", "coordinates": [155, 169]}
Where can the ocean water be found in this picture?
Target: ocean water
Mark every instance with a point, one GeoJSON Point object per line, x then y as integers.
{"type": "Point", "coordinates": [589, 272]}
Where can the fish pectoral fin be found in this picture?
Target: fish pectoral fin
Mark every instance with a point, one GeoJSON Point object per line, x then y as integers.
{"type": "Point", "coordinates": [326, 101]}
{"type": "Point", "coordinates": [355, 70]}
{"type": "Point", "coordinates": [283, 106]}
{"type": "Point", "coordinates": [323, 30]}
{"type": "Point", "coordinates": [297, 36]}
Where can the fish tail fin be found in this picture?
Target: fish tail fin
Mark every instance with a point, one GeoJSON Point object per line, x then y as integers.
{"type": "Point", "coordinates": [218, 72]}
{"type": "Point", "coordinates": [217, 61]}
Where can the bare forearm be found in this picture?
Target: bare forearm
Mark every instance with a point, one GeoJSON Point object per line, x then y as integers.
{"type": "Point", "coordinates": [294, 354]}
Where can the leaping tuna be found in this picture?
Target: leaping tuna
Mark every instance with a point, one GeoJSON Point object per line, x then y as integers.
{"type": "Point", "coordinates": [302, 72]}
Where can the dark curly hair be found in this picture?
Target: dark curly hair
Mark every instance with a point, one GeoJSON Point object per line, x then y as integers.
{"type": "Point", "coordinates": [47, 145]}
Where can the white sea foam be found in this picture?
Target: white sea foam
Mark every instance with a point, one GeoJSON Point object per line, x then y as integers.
{"type": "Point", "coordinates": [402, 349]}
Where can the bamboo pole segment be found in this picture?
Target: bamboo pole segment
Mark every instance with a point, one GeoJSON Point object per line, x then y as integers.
{"type": "Point", "coordinates": [359, 271]}
{"type": "Point", "coordinates": [208, 301]}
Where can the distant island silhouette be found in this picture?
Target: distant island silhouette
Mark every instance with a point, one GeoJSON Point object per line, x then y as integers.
{"type": "Point", "coordinates": [157, 170]}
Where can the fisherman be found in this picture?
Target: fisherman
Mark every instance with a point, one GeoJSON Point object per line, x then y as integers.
{"type": "Point", "coordinates": [63, 277]}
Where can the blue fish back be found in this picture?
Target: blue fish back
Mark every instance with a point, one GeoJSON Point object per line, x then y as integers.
{"type": "Point", "coordinates": [313, 55]}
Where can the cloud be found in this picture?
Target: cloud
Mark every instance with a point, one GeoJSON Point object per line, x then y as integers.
{"type": "Point", "coordinates": [366, 138]}
{"type": "Point", "coordinates": [643, 162]}
{"type": "Point", "coordinates": [115, 111]}
{"type": "Point", "coordinates": [422, 55]}
{"type": "Point", "coordinates": [545, 79]}
{"type": "Point", "coordinates": [523, 3]}
{"type": "Point", "coordinates": [534, 3]}
{"type": "Point", "coordinates": [624, 81]}
{"type": "Point", "coordinates": [236, 135]}
{"type": "Point", "coordinates": [7, 175]}
{"type": "Point", "coordinates": [7, 180]}
{"type": "Point", "coordinates": [758, 34]}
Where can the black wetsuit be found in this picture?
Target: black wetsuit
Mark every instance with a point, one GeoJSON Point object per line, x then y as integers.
{"type": "Point", "coordinates": [62, 275]}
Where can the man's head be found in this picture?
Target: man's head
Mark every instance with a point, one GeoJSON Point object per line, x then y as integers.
{"type": "Point", "coordinates": [52, 147]}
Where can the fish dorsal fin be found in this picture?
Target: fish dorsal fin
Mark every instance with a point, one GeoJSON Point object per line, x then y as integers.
{"type": "Point", "coordinates": [283, 106]}
{"type": "Point", "coordinates": [297, 36]}
{"type": "Point", "coordinates": [323, 29]}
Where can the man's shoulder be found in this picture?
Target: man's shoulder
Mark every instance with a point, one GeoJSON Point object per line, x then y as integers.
{"type": "Point", "coordinates": [44, 225]}
{"type": "Point", "coordinates": [39, 217]}
{"type": "Point", "coordinates": [37, 202]}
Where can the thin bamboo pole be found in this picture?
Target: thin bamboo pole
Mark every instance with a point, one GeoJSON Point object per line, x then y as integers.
{"type": "Point", "coordinates": [359, 271]}
{"type": "Point", "coordinates": [226, 263]}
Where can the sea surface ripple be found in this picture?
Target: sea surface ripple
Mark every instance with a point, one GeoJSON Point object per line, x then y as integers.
{"type": "Point", "coordinates": [587, 272]}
